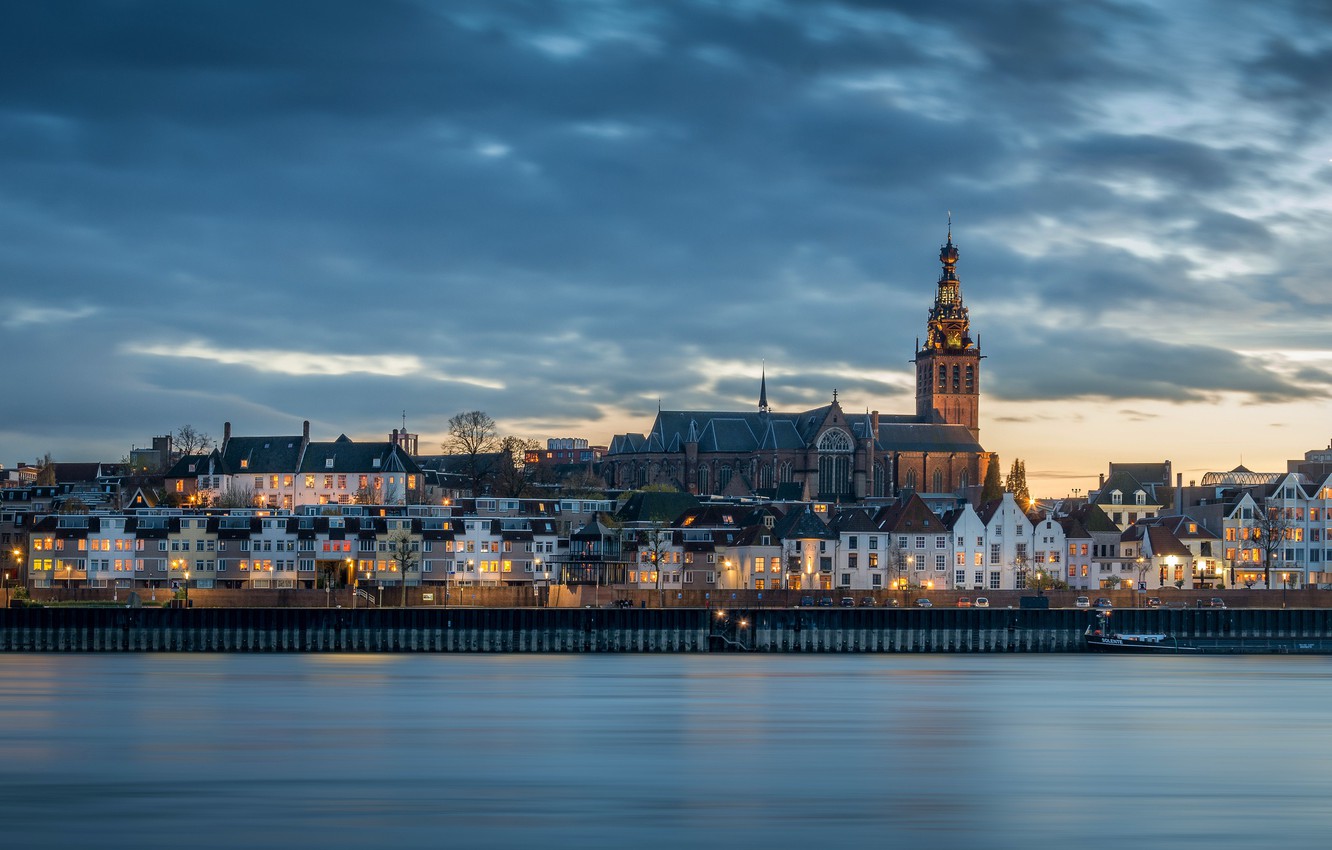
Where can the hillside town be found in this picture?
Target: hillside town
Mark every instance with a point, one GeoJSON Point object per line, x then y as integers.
{"type": "Point", "coordinates": [825, 499]}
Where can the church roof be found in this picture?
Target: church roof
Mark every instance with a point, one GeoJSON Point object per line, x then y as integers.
{"type": "Point", "coordinates": [743, 433]}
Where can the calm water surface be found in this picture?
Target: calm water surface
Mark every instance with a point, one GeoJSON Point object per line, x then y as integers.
{"type": "Point", "coordinates": [149, 751]}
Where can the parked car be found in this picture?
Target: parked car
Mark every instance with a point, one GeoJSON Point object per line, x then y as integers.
{"type": "Point", "coordinates": [1082, 602]}
{"type": "Point", "coordinates": [867, 602]}
{"type": "Point", "coordinates": [1153, 602]}
{"type": "Point", "coordinates": [848, 602]}
{"type": "Point", "coordinates": [1218, 602]}
{"type": "Point", "coordinates": [924, 603]}
{"type": "Point", "coordinates": [1104, 602]}
{"type": "Point", "coordinates": [807, 602]}
{"type": "Point", "coordinates": [825, 601]}
{"type": "Point", "coordinates": [982, 602]}
{"type": "Point", "coordinates": [891, 603]}
{"type": "Point", "coordinates": [963, 602]}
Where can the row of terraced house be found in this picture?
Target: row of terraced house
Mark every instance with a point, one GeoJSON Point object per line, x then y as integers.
{"type": "Point", "coordinates": [711, 544]}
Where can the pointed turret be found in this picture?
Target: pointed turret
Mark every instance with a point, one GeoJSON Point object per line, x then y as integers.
{"type": "Point", "coordinates": [763, 389]}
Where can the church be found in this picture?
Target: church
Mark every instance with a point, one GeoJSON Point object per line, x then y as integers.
{"type": "Point", "coordinates": [826, 453]}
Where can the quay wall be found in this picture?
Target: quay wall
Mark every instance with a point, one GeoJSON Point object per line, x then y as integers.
{"type": "Point", "coordinates": [577, 630]}
{"type": "Point", "coordinates": [573, 596]}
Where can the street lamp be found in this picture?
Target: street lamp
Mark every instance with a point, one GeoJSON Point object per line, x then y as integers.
{"type": "Point", "coordinates": [356, 581]}
{"type": "Point", "coordinates": [1285, 582]}
{"type": "Point", "coordinates": [187, 588]}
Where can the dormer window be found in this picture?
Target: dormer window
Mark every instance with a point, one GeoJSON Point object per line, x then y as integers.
{"type": "Point", "coordinates": [1139, 498]}
{"type": "Point", "coordinates": [375, 463]}
{"type": "Point", "coordinates": [328, 463]}
{"type": "Point", "coordinates": [245, 463]}
{"type": "Point", "coordinates": [1116, 497]}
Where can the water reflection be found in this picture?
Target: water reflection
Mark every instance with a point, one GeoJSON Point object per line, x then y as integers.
{"type": "Point", "coordinates": [662, 751]}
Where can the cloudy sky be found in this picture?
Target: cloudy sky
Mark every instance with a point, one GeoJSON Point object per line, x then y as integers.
{"type": "Point", "coordinates": [561, 213]}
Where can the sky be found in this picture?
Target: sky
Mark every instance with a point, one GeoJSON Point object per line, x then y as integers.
{"type": "Point", "coordinates": [567, 214]}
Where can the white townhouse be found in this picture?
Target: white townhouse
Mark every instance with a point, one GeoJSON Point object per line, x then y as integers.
{"type": "Point", "coordinates": [1303, 507]}
{"type": "Point", "coordinates": [969, 548]}
{"type": "Point", "coordinates": [861, 547]}
{"type": "Point", "coordinates": [1009, 544]}
{"type": "Point", "coordinates": [1048, 541]}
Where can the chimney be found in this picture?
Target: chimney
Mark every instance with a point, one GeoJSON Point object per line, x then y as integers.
{"type": "Point", "coordinates": [226, 434]}
{"type": "Point", "coordinates": [393, 437]}
{"type": "Point", "coordinates": [305, 431]}
{"type": "Point", "coordinates": [1179, 493]}
{"type": "Point", "coordinates": [1102, 479]}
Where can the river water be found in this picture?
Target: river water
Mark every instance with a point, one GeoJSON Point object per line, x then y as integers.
{"type": "Point", "coordinates": [672, 751]}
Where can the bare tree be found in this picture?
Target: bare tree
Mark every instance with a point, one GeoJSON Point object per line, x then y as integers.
{"type": "Point", "coordinates": [73, 505]}
{"type": "Point", "coordinates": [475, 437]}
{"type": "Point", "coordinates": [1271, 529]}
{"type": "Point", "coordinates": [45, 470]}
{"type": "Point", "coordinates": [188, 440]}
{"type": "Point", "coordinates": [584, 484]}
{"type": "Point", "coordinates": [655, 540]}
{"type": "Point", "coordinates": [404, 550]}
{"type": "Point", "coordinates": [238, 496]}
{"type": "Point", "coordinates": [896, 561]}
{"type": "Point", "coordinates": [366, 495]}
{"type": "Point", "coordinates": [1045, 577]}
{"type": "Point", "coordinates": [511, 478]}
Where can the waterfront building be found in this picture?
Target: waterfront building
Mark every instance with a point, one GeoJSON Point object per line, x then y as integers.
{"type": "Point", "coordinates": [283, 472]}
{"type": "Point", "coordinates": [827, 453]}
{"type": "Point", "coordinates": [1078, 560]}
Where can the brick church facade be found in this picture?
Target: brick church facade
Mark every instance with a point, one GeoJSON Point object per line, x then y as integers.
{"type": "Point", "coordinates": [826, 453]}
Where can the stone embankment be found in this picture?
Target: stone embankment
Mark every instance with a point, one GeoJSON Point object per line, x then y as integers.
{"type": "Point", "coordinates": [438, 629]}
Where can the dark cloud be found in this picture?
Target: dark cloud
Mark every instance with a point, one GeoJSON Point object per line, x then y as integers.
{"type": "Point", "coordinates": [565, 211]}
{"type": "Point", "coordinates": [1127, 366]}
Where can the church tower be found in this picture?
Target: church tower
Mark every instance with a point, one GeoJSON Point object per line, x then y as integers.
{"type": "Point", "coordinates": [948, 365]}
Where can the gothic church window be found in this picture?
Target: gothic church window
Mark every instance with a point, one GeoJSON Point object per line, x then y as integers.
{"type": "Point", "coordinates": [835, 440]}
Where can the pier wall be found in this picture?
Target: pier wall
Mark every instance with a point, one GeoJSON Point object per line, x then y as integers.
{"type": "Point", "coordinates": [616, 630]}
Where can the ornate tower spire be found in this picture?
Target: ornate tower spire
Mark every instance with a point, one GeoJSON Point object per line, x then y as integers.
{"type": "Point", "coordinates": [949, 326]}
{"type": "Point", "coordinates": [948, 364]}
{"type": "Point", "coordinates": [763, 387]}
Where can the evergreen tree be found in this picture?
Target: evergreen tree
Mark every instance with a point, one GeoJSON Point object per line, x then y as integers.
{"type": "Point", "coordinates": [1017, 483]}
{"type": "Point", "coordinates": [991, 489]}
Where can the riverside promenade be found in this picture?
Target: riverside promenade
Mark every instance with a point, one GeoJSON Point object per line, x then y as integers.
{"type": "Point", "coordinates": [622, 630]}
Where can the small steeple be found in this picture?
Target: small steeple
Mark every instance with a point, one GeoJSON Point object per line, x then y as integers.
{"type": "Point", "coordinates": [948, 323]}
{"type": "Point", "coordinates": [763, 387]}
